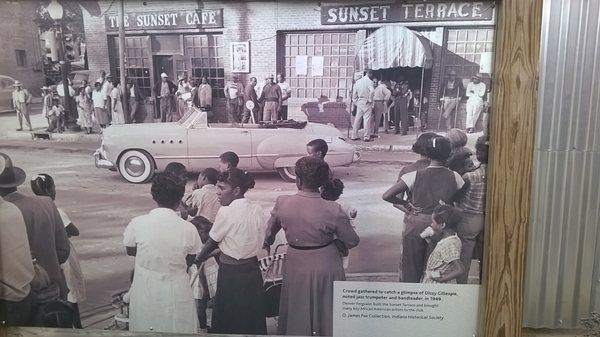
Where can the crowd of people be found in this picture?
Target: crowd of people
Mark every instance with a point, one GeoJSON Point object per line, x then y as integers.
{"type": "Point", "coordinates": [382, 103]}
{"type": "Point", "coordinates": [41, 280]}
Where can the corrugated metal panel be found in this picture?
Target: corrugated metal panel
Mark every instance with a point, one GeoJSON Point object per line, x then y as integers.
{"type": "Point", "coordinates": [563, 266]}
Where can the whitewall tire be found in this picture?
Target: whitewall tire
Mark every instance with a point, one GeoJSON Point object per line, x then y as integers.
{"type": "Point", "coordinates": [287, 173]}
{"type": "Point", "coordinates": [136, 166]}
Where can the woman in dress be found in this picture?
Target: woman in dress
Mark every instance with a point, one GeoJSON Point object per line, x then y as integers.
{"type": "Point", "coordinates": [160, 297]}
{"type": "Point", "coordinates": [116, 101]}
{"type": "Point", "coordinates": [99, 103]}
{"type": "Point", "coordinates": [425, 189]}
{"type": "Point", "coordinates": [238, 231]}
{"type": "Point", "coordinates": [313, 261]}
{"type": "Point", "coordinates": [84, 108]}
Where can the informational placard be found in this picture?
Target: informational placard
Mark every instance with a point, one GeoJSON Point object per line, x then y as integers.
{"type": "Point", "coordinates": [301, 65]}
{"type": "Point", "coordinates": [317, 66]}
{"type": "Point", "coordinates": [386, 308]}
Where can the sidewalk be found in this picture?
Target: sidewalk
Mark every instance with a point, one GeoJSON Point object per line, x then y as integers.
{"type": "Point", "coordinates": [8, 124]}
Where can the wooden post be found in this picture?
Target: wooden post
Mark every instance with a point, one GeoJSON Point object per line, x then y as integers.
{"type": "Point", "coordinates": [511, 158]}
{"type": "Point", "coordinates": [122, 70]}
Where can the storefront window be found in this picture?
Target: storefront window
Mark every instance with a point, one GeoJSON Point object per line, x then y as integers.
{"type": "Point", "coordinates": [464, 49]}
{"type": "Point", "coordinates": [206, 59]}
{"type": "Point", "coordinates": [137, 61]}
{"type": "Point", "coordinates": [334, 78]}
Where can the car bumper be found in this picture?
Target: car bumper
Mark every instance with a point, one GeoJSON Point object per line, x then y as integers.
{"type": "Point", "coordinates": [100, 160]}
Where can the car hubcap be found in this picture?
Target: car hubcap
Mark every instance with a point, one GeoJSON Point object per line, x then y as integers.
{"type": "Point", "coordinates": [290, 172]}
{"type": "Point", "coordinates": [134, 166]}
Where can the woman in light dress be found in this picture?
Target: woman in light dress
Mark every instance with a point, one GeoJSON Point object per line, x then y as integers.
{"type": "Point", "coordinates": [84, 108]}
{"type": "Point", "coordinates": [116, 101]}
{"type": "Point", "coordinates": [161, 299]}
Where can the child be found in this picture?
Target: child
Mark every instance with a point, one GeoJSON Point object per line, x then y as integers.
{"type": "Point", "coordinates": [444, 265]}
{"type": "Point", "coordinates": [56, 117]}
{"type": "Point", "coordinates": [332, 190]}
{"type": "Point", "coordinates": [227, 161]}
{"type": "Point", "coordinates": [317, 148]}
{"type": "Point", "coordinates": [460, 156]}
{"type": "Point", "coordinates": [43, 185]}
{"type": "Point", "coordinates": [203, 200]}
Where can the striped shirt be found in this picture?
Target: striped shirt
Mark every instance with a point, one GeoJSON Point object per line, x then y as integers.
{"type": "Point", "coordinates": [447, 250]}
{"type": "Point", "coordinates": [474, 199]}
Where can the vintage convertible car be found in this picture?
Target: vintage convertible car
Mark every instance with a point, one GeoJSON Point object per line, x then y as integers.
{"type": "Point", "coordinates": [137, 151]}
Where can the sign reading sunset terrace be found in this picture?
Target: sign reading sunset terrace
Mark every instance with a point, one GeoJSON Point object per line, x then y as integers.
{"type": "Point", "coordinates": [206, 18]}
{"type": "Point", "coordinates": [407, 12]}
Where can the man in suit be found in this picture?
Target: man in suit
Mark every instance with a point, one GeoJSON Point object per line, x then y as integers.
{"type": "Point", "coordinates": [250, 96]}
{"type": "Point", "coordinates": [21, 100]}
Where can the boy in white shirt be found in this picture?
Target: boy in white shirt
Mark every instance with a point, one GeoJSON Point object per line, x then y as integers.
{"type": "Point", "coordinates": [56, 117]}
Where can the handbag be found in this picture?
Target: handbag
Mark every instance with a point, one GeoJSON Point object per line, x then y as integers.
{"type": "Point", "coordinates": [272, 268]}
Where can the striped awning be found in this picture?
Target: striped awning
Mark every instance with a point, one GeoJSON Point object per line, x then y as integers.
{"type": "Point", "coordinates": [394, 46]}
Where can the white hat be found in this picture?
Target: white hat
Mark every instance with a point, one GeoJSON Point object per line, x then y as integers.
{"type": "Point", "coordinates": [99, 80]}
{"type": "Point", "coordinates": [163, 75]}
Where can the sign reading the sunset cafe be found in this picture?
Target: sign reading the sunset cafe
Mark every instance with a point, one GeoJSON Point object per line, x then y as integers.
{"type": "Point", "coordinates": [407, 12]}
{"type": "Point", "coordinates": [206, 18]}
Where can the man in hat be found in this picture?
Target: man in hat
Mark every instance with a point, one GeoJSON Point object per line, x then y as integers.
{"type": "Point", "coordinates": [46, 101]}
{"type": "Point", "coordinates": [475, 91]}
{"type": "Point", "coordinates": [451, 95]}
{"type": "Point", "coordinates": [16, 299]}
{"type": "Point", "coordinates": [165, 91]}
{"type": "Point", "coordinates": [184, 95]}
{"type": "Point", "coordinates": [272, 97]}
{"type": "Point", "coordinates": [21, 99]}
{"type": "Point", "coordinates": [47, 238]}
{"type": "Point", "coordinates": [234, 93]}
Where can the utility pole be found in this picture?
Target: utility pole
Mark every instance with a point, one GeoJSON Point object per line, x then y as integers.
{"type": "Point", "coordinates": [65, 66]}
{"type": "Point", "coordinates": [122, 78]}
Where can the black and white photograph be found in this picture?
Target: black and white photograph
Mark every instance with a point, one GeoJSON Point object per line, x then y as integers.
{"type": "Point", "coordinates": [217, 167]}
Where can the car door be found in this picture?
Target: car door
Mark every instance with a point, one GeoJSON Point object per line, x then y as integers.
{"type": "Point", "coordinates": [206, 144]}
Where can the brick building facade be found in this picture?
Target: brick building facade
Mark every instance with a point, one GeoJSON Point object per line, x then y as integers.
{"type": "Point", "coordinates": [21, 47]}
{"type": "Point", "coordinates": [279, 33]}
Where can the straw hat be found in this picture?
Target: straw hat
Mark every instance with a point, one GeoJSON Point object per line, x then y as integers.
{"type": "Point", "coordinates": [10, 176]}
{"type": "Point", "coordinates": [17, 84]}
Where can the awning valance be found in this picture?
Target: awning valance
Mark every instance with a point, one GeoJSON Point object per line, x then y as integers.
{"type": "Point", "coordinates": [394, 46]}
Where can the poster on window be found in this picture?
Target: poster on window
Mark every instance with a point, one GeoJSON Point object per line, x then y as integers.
{"type": "Point", "coordinates": [240, 57]}
{"type": "Point", "coordinates": [354, 206]}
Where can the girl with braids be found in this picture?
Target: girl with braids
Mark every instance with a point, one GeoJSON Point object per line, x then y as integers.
{"type": "Point", "coordinates": [443, 264]}
{"type": "Point", "coordinates": [238, 231]}
{"type": "Point", "coordinates": [43, 185]}
{"type": "Point", "coordinates": [314, 228]}
{"type": "Point", "coordinates": [162, 242]}
{"type": "Point", "coordinates": [425, 189]}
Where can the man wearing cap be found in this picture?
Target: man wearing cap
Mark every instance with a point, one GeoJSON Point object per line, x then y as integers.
{"type": "Point", "coordinates": [47, 238]}
{"type": "Point", "coordinates": [234, 92]}
{"type": "Point", "coordinates": [475, 92]}
{"type": "Point", "coordinates": [451, 95]}
{"type": "Point", "coordinates": [165, 91]}
{"type": "Point", "coordinates": [250, 102]}
{"type": "Point", "coordinates": [16, 299]}
{"type": "Point", "coordinates": [272, 98]}
{"type": "Point", "coordinates": [21, 99]}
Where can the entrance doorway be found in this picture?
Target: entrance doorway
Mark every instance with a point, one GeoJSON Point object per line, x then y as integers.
{"type": "Point", "coordinates": [162, 64]}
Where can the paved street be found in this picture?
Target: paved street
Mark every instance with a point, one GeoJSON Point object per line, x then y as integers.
{"type": "Point", "coordinates": [101, 204]}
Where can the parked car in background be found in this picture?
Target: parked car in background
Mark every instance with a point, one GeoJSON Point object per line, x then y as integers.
{"type": "Point", "coordinates": [137, 151]}
{"type": "Point", "coordinates": [6, 89]}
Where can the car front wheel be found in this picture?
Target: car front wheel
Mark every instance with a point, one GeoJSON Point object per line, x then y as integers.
{"type": "Point", "coordinates": [136, 166]}
{"type": "Point", "coordinates": [287, 174]}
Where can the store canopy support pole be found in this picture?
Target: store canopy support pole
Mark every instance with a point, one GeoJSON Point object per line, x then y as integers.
{"type": "Point", "coordinates": [122, 59]}
{"type": "Point", "coordinates": [420, 124]}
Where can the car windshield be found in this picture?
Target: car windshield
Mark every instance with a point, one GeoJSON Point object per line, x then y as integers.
{"type": "Point", "coordinates": [194, 117]}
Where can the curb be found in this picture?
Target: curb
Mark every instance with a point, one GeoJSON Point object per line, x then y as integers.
{"type": "Point", "coordinates": [384, 148]}
{"type": "Point", "coordinates": [64, 137]}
